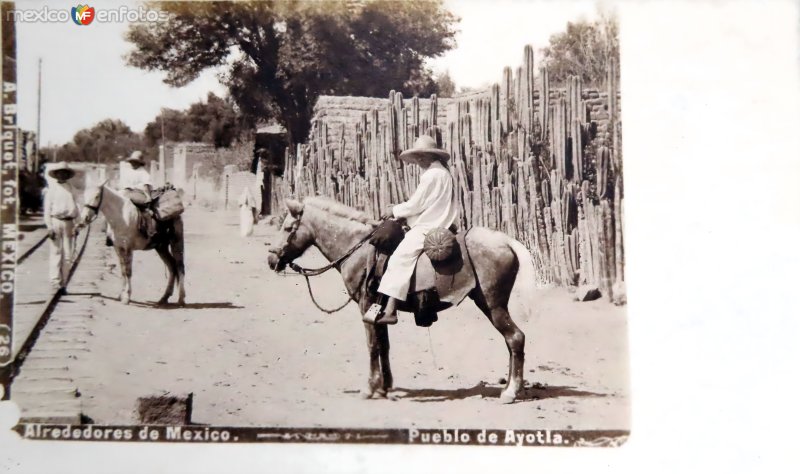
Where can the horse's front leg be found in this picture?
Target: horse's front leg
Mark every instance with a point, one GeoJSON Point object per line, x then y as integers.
{"type": "Point", "coordinates": [383, 347]}
{"type": "Point", "coordinates": [126, 270]}
{"type": "Point", "coordinates": [374, 382]}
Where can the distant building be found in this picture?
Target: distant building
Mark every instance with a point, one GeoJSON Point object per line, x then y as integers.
{"type": "Point", "coordinates": [187, 162]}
{"type": "Point", "coordinates": [268, 159]}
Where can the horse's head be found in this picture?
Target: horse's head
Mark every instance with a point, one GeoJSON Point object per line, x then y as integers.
{"type": "Point", "coordinates": [94, 199]}
{"type": "Point", "coordinates": [296, 237]}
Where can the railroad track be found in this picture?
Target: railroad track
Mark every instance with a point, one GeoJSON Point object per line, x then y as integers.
{"type": "Point", "coordinates": [48, 305]}
{"type": "Point", "coordinates": [30, 251]}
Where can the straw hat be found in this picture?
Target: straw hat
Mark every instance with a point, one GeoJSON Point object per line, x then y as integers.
{"type": "Point", "coordinates": [135, 158]}
{"type": "Point", "coordinates": [424, 148]}
{"type": "Point", "coordinates": [62, 167]}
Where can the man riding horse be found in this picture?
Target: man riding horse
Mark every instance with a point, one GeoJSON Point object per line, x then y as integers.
{"type": "Point", "coordinates": [137, 185]}
{"type": "Point", "coordinates": [431, 206]}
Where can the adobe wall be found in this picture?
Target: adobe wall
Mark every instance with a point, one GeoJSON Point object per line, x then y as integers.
{"type": "Point", "coordinates": [342, 113]}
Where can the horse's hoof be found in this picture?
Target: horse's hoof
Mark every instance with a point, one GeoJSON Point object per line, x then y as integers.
{"type": "Point", "coordinates": [181, 303]}
{"type": "Point", "coordinates": [365, 394]}
{"type": "Point", "coordinates": [125, 300]}
{"type": "Point", "coordinates": [507, 398]}
{"type": "Point", "coordinates": [380, 393]}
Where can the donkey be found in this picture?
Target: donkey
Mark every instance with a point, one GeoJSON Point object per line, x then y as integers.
{"type": "Point", "coordinates": [123, 219]}
{"type": "Point", "coordinates": [334, 228]}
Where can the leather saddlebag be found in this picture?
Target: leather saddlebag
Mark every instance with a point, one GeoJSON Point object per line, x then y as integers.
{"type": "Point", "coordinates": [387, 236]}
{"type": "Point", "coordinates": [168, 205]}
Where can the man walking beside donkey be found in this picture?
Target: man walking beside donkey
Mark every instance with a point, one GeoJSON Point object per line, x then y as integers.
{"type": "Point", "coordinates": [60, 216]}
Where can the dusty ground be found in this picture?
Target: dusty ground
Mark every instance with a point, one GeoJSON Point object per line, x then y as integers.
{"type": "Point", "coordinates": [254, 350]}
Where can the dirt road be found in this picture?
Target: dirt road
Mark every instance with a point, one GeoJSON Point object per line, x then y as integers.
{"type": "Point", "coordinates": [254, 350]}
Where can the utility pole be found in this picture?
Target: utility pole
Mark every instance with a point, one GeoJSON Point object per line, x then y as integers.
{"type": "Point", "coordinates": [38, 120]}
{"type": "Point", "coordinates": [162, 162]}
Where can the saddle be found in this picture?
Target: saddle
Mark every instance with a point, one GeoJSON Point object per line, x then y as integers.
{"type": "Point", "coordinates": [435, 285]}
{"type": "Point", "coordinates": [155, 214]}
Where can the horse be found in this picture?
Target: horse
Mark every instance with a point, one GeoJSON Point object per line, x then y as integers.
{"type": "Point", "coordinates": [335, 229]}
{"type": "Point", "coordinates": [122, 216]}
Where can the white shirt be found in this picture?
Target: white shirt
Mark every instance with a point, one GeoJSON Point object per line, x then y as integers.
{"type": "Point", "coordinates": [135, 179]}
{"type": "Point", "coordinates": [59, 202]}
{"type": "Point", "coordinates": [432, 204]}
{"type": "Point", "coordinates": [246, 198]}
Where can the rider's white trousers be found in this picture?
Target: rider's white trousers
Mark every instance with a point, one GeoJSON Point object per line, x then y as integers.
{"type": "Point", "coordinates": [397, 279]}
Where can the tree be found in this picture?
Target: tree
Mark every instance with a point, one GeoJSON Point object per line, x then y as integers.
{"type": "Point", "coordinates": [445, 85]}
{"type": "Point", "coordinates": [583, 50]}
{"type": "Point", "coordinates": [104, 142]}
{"type": "Point", "coordinates": [214, 121]}
{"type": "Point", "coordinates": [277, 57]}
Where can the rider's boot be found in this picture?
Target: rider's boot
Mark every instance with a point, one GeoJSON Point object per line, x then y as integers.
{"type": "Point", "coordinates": [389, 315]}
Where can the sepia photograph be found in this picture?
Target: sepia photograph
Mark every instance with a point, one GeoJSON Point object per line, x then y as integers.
{"type": "Point", "coordinates": [360, 221]}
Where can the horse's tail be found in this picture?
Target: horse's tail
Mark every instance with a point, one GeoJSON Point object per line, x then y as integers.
{"type": "Point", "coordinates": [527, 277]}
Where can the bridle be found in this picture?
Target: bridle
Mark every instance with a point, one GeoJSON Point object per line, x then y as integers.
{"type": "Point", "coordinates": [309, 272]}
{"type": "Point", "coordinates": [96, 209]}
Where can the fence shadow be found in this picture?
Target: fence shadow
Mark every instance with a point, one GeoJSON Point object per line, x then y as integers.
{"type": "Point", "coordinates": [483, 390]}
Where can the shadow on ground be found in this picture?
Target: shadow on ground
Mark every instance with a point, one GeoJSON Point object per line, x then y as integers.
{"type": "Point", "coordinates": [157, 305]}
{"type": "Point", "coordinates": [483, 390]}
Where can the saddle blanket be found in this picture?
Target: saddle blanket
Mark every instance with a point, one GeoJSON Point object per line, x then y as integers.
{"type": "Point", "coordinates": [452, 280]}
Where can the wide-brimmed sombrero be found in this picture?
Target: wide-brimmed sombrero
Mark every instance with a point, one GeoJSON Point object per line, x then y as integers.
{"type": "Point", "coordinates": [425, 148]}
{"type": "Point", "coordinates": [135, 158]}
{"type": "Point", "coordinates": [61, 168]}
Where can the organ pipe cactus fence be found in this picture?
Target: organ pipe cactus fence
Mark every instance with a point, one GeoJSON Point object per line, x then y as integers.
{"type": "Point", "coordinates": [538, 163]}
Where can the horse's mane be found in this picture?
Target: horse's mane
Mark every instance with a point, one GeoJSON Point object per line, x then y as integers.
{"type": "Point", "coordinates": [338, 209]}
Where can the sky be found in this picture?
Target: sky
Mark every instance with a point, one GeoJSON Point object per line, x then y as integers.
{"type": "Point", "coordinates": [85, 78]}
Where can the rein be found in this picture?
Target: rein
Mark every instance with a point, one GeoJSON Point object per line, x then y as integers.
{"type": "Point", "coordinates": [309, 272]}
{"type": "Point", "coordinates": [313, 300]}
{"type": "Point", "coordinates": [96, 209]}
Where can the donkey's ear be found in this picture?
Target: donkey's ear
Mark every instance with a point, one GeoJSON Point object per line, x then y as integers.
{"type": "Point", "coordinates": [295, 207]}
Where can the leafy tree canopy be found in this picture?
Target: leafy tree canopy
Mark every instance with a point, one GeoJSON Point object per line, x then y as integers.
{"type": "Point", "coordinates": [583, 50]}
{"type": "Point", "coordinates": [214, 121]}
{"type": "Point", "coordinates": [104, 142]}
{"type": "Point", "coordinates": [445, 85]}
{"type": "Point", "coordinates": [277, 57]}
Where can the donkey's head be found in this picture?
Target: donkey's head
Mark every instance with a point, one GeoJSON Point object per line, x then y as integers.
{"type": "Point", "coordinates": [296, 237]}
{"type": "Point", "coordinates": [94, 199]}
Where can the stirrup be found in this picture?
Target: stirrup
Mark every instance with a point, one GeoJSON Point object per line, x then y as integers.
{"type": "Point", "coordinates": [387, 318]}
{"type": "Point", "coordinates": [373, 313]}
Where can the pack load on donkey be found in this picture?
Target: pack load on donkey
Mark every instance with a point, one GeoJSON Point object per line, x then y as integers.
{"type": "Point", "coordinates": [167, 203]}
{"type": "Point", "coordinates": [156, 213]}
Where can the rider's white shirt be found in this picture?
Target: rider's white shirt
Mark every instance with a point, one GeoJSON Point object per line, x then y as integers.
{"type": "Point", "coordinates": [135, 179]}
{"type": "Point", "coordinates": [432, 204]}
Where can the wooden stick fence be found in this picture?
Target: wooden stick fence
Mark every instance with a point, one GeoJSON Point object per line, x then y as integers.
{"type": "Point", "coordinates": [525, 161]}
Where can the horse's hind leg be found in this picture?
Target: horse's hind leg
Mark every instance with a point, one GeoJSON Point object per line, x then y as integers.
{"type": "Point", "coordinates": [515, 341]}
{"type": "Point", "coordinates": [166, 257]}
{"type": "Point", "coordinates": [176, 246]}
